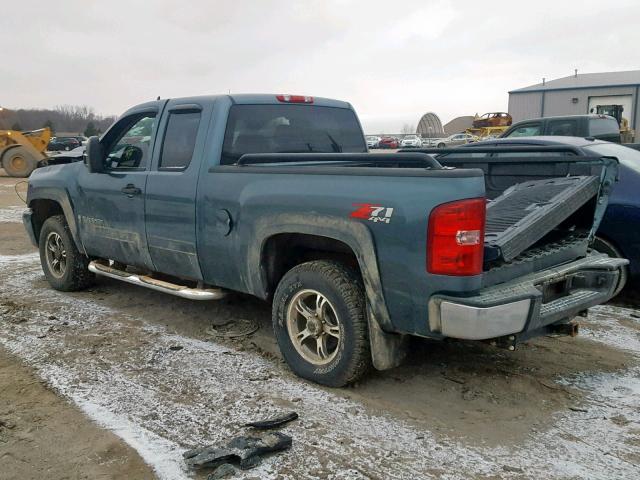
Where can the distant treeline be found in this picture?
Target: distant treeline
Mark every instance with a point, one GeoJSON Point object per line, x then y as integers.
{"type": "Point", "coordinates": [72, 119]}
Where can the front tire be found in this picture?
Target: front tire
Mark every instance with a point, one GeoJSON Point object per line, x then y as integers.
{"type": "Point", "coordinates": [441, 145]}
{"type": "Point", "coordinates": [320, 323]}
{"type": "Point", "coordinates": [64, 267]}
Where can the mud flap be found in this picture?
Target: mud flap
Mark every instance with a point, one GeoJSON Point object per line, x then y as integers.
{"type": "Point", "coordinates": [388, 350]}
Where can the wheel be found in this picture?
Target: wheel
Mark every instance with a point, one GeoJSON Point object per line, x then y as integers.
{"type": "Point", "coordinates": [604, 246]}
{"type": "Point", "coordinates": [65, 268]}
{"type": "Point", "coordinates": [441, 145]}
{"type": "Point", "coordinates": [18, 162]}
{"type": "Point", "coordinates": [320, 323]}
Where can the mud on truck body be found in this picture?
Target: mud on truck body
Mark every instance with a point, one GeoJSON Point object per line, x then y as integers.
{"type": "Point", "coordinates": [278, 197]}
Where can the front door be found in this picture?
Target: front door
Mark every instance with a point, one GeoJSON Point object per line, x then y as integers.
{"type": "Point", "coordinates": [171, 189]}
{"type": "Point", "coordinates": [111, 204]}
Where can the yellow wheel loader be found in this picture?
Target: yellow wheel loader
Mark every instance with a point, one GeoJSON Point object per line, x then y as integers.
{"type": "Point", "coordinates": [20, 152]}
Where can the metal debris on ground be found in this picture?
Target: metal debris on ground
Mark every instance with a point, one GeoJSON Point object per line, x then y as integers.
{"type": "Point", "coordinates": [241, 327]}
{"type": "Point", "coordinates": [244, 450]}
{"type": "Point", "coordinates": [273, 422]}
{"type": "Point", "coordinates": [226, 470]}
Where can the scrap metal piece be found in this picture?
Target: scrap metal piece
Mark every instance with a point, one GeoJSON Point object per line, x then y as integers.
{"type": "Point", "coordinates": [225, 470]}
{"type": "Point", "coordinates": [244, 450]}
{"type": "Point", "coordinates": [273, 422]}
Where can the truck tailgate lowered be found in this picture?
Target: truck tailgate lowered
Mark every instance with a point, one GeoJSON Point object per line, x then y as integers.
{"type": "Point", "coordinates": [528, 211]}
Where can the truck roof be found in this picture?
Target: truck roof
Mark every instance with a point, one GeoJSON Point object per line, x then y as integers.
{"type": "Point", "coordinates": [246, 99]}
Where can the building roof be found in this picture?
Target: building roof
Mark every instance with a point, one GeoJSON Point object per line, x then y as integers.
{"type": "Point", "coordinates": [586, 80]}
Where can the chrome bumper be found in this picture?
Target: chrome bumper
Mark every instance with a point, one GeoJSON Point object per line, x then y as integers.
{"type": "Point", "coordinates": [528, 303]}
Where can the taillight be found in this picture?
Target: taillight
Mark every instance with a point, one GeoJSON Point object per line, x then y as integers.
{"type": "Point", "coordinates": [294, 99]}
{"type": "Point", "coordinates": [455, 239]}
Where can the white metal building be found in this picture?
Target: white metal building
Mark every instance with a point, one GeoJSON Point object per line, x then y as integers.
{"type": "Point", "coordinates": [577, 95]}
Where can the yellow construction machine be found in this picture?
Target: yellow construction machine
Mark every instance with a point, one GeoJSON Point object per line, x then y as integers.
{"type": "Point", "coordinates": [20, 152]}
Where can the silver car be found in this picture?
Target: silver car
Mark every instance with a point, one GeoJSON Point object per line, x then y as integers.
{"type": "Point", "coordinates": [373, 141]}
{"type": "Point", "coordinates": [412, 141]}
{"type": "Point", "coordinates": [455, 140]}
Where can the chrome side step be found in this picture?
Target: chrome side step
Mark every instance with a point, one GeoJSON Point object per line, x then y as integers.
{"type": "Point", "coordinates": [155, 284]}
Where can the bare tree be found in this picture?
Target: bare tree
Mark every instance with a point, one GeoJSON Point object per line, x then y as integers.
{"type": "Point", "coordinates": [66, 118]}
{"type": "Point", "coordinates": [407, 128]}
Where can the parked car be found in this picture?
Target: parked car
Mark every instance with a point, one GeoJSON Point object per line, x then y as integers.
{"type": "Point", "coordinates": [457, 139]}
{"type": "Point", "coordinates": [373, 141]}
{"type": "Point", "coordinates": [57, 144]}
{"type": "Point", "coordinates": [430, 141]}
{"type": "Point", "coordinates": [601, 127]}
{"type": "Point", "coordinates": [389, 142]}
{"type": "Point", "coordinates": [411, 141]}
{"type": "Point", "coordinates": [617, 235]}
{"type": "Point", "coordinates": [356, 251]}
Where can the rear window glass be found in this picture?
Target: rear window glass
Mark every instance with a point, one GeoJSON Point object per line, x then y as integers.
{"type": "Point", "coordinates": [179, 140]}
{"type": "Point", "coordinates": [290, 129]}
{"type": "Point", "coordinates": [564, 128]}
{"type": "Point", "coordinates": [603, 126]}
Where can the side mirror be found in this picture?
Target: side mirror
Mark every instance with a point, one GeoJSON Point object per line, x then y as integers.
{"type": "Point", "coordinates": [95, 155]}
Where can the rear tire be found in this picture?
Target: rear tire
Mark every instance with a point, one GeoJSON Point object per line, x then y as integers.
{"type": "Point", "coordinates": [320, 323]}
{"type": "Point", "coordinates": [605, 246]}
{"type": "Point", "coordinates": [441, 145]}
{"type": "Point", "coordinates": [18, 162]}
{"type": "Point", "coordinates": [64, 267]}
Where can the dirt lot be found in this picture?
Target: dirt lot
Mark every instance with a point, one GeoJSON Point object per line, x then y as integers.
{"type": "Point", "coordinates": [145, 367]}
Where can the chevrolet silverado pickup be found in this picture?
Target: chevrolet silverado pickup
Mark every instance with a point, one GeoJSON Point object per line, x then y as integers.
{"type": "Point", "coordinates": [277, 196]}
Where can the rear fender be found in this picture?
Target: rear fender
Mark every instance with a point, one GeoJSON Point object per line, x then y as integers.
{"type": "Point", "coordinates": [387, 348]}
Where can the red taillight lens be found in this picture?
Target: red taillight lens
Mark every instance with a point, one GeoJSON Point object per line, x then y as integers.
{"type": "Point", "coordinates": [455, 239]}
{"type": "Point", "coordinates": [294, 99]}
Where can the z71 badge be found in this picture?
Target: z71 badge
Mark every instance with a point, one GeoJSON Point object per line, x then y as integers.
{"type": "Point", "coordinates": [372, 212]}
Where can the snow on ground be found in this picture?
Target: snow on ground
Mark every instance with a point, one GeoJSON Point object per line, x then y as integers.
{"type": "Point", "coordinates": [162, 401]}
{"type": "Point", "coordinates": [12, 214]}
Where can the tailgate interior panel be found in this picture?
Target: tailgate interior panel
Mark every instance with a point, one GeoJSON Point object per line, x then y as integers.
{"type": "Point", "coordinates": [528, 211]}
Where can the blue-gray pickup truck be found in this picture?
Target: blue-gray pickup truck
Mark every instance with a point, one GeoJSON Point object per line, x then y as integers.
{"type": "Point", "coordinates": [278, 197]}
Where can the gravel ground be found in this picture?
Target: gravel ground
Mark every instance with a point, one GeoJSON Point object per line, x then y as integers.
{"type": "Point", "coordinates": [142, 366]}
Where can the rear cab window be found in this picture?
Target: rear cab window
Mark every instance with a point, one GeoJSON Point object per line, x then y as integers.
{"type": "Point", "coordinates": [290, 129]}
{"type": "Point", "coordinates": [603, 126]}
{"type": "Point", "coordinates": [564, 128]}
{"type": "Point", "coordinates": [179, 140]}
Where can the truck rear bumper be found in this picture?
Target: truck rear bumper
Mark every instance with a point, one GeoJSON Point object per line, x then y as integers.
{"type": "Point", "coordinates": [528, 303]}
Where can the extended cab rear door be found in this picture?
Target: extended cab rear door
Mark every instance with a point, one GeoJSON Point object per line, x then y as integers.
{"type": "Point", "coordinates": [170, 208]}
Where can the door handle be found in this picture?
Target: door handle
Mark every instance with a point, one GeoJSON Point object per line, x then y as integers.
{"type": "Point", "coordinates": [131, 190]}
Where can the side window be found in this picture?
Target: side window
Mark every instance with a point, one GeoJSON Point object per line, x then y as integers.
{"type": "Point", "coordinates": [130, 148]}
{"type": "Point", "coordinates": [179, 140]}
{"type": "Point", "coordinates": [528, 130]}
{"type": "Point", "coordinates": [565, 128]}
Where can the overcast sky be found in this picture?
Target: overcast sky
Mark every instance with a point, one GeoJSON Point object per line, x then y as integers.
{"type": "Point", "coordinates": [392, 60]}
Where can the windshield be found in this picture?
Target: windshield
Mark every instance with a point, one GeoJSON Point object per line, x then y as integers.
{"type": "Point", "coordinates": [628, 157]}
{"type": "Point", "coordinates": [290, 129]}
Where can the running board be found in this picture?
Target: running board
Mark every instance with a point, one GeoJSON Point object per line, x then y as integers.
{"type": "Point", "coordinates": [155, 284]}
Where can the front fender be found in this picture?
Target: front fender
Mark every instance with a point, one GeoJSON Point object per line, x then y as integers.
{"type": "Point", "coordinates": [63, 199]}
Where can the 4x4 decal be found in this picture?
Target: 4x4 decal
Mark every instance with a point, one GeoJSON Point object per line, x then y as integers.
{"type": "Point", "coordinates": [372, 212]}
